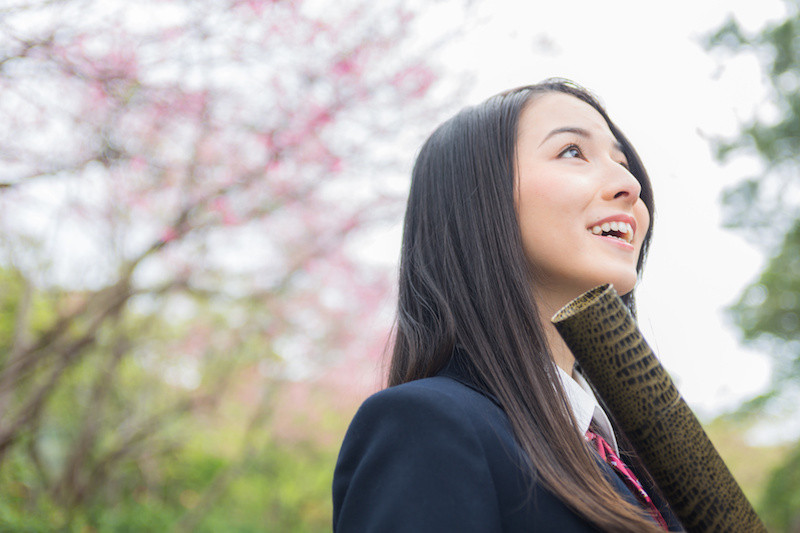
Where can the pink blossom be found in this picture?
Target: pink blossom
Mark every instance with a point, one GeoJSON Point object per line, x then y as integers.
{"type": "Point", "coordinates": [219, 204]}
{"type": "Point", "coordinates": [320, 117]}
{"type": "Point", "coordinates": [97, 93]}
{"type": "Point", "coordinates": [273, 165]}
{"type": "Point", "coordinates": [169, 235]}
{"type": "Point", "coordinates": [222, 206]}
{"type": "Point", "coordinates": [415, 80]}
{"type": "Point", "coordinates": [266, 139]}
{"type": "Point", "coordinates": [173, 33]}
{"type": "Point", "coordinates": [345, 66]}
{"type": "Point", "coordinates": [217, 130]}
{"type": "Point", "coordinates": [256, 5]}
{"type": "Point", "coordinates": [138, 163]}
{"type": "Point", "coordinates": [291, 137]}
{"type": "Point", "coordinates": [350, 224]}
{"type": "Point", "coordinates": [193, 102]}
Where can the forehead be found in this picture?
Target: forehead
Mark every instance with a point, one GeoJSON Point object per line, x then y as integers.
{"type": "Point", "coordinates": [555, 110]}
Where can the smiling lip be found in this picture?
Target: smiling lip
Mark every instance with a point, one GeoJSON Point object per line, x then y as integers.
{"type": "Point", "coordinates": [619, 229]}
{"type": "Point", "coordinates": [616, 218]}
{"type": "Point", "coordinates": [613, 240]}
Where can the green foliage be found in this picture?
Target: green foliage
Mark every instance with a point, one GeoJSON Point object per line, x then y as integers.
{"type": "Point", "coordinates": [768, 311]}
{"type": "Point", "coordinates": [782, 38]}
{"type": "Point", "coordinates": [771, 306]}
{"type": "Point", "coordinates": [767, 207]}
{"type": "Point", "coordinates": [780, 505]}
{"type": "Point", "coordinates": [12, 296]}
{"type": "Point", "coordinates": [768, 200]}
{"type": "Point", "coordinates": [200, 461]}
{"type": "Point", "coordinates": [729, 35]}
{"type": "Point", "coordinates": [282, 488]}
{"type": "Point", "coordinates": [751, 465]}
{"type": "Point", "coordinates": [284, 485]}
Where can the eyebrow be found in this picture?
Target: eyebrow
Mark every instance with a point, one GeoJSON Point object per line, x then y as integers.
{"type": "Point", "coordinates": [579, 132]}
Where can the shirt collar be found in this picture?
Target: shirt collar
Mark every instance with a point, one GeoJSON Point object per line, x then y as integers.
{"type": "Point", "coordinates": [585, 406]}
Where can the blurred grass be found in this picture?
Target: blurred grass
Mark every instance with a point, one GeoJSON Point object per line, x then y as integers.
{"type": "Point", "coordinates": [758, 469]}
{"type": "Point", "coordinates": [281, 485]}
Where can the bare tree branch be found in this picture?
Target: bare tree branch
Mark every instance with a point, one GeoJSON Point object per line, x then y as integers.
{"type": "Point", "coordinates": [69, 485]}
{"type": "Point", "coordinates": [11, 431]}
{"type": "Point", "coordinates": [96, 307]}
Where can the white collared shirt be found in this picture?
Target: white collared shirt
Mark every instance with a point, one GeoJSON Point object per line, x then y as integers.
{"type": "Point", "coordinates": [585, 406]}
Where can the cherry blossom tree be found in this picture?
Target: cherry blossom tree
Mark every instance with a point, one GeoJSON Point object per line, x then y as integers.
{"type": "Point", "coordinates": [180, 184]}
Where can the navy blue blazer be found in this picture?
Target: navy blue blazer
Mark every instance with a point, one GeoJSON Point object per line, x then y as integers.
{"type": "Point", "coordinates": [438, 455]}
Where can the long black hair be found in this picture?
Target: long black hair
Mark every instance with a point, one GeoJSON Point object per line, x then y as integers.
{"type": "Point", "coordinates": [465, 285]}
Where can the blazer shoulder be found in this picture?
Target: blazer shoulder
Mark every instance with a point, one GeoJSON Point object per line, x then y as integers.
{"type": "Point", "coordinates": [438, 391]}
{"type": "Point", "coordinates": [438, 403]}
{"type": "Point", "coordinates": [411, 460]}
{"type": "Point", "coordinates": [437, 455]}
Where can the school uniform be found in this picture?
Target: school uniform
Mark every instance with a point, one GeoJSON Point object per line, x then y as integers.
{"type": "Point", "coordinates": [439, 455]}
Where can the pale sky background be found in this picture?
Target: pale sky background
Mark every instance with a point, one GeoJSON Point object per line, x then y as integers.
{"type": "Point", "coordinates": [669, 95]}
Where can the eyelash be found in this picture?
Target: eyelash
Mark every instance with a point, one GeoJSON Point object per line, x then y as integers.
{"type": "Point", "coordinates": [572, 147]}
{"type": "Point", "coordinates": [580, 154]}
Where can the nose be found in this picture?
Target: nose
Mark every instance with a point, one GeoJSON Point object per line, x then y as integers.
{"type": "Point", "coordinates": [621, 184]}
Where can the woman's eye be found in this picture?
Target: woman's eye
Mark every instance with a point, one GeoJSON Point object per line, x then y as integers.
{"type": "Point", "coordinates": [572, 151]}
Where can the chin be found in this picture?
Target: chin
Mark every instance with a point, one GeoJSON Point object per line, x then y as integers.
{"type": "Point", "coordinates": [623, 284]}
{"type": "Point", "coordinates": [624, 287]}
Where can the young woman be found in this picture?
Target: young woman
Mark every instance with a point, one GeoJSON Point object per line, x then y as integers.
{"type": "Point", "coordinates": [516, 207]}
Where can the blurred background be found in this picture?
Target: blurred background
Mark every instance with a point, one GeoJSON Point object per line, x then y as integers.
{"type": "Point", "coordinates": [200, 211]}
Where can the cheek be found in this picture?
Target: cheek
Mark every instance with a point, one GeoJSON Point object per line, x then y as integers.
{"type": "Point", "coordinates": [541, 196]}
{"type": "Point", "coordinates": [539, 210]}
{"type": "Point", "coordinates": [642, 221]}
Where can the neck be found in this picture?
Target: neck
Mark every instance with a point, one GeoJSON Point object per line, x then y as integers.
{"type": "Point", "coordinates": [558, 349]}
{"type": "Point", "coordinates": [561, 354]}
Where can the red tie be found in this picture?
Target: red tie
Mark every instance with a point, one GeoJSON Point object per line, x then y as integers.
{"type": "Point", "coordinates": [608, 455]}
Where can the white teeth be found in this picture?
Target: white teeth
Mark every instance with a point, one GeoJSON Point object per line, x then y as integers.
{"type": "Point", "coordinates": [622, 227]}
{"type": "Point", "coordinates": [627, 233]}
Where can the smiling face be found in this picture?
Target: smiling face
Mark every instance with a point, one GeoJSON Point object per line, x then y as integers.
{"type": "Point", "coordinates": [580, 214]}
